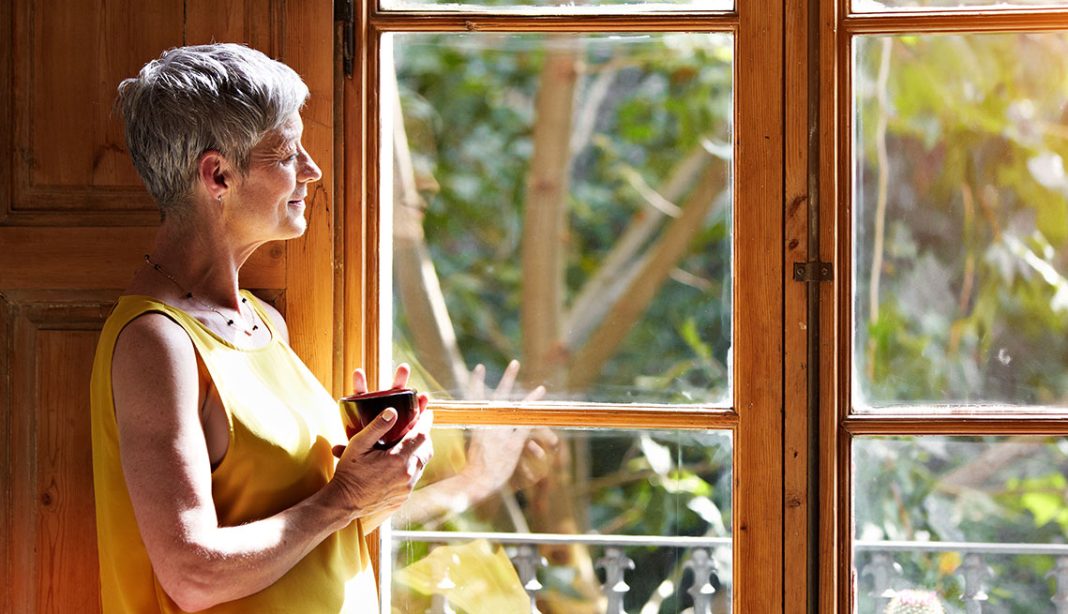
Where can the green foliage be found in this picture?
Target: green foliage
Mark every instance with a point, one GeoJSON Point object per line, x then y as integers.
{"type": "Point", "coordinates": [468, 108]}
{"type": "Point", "coordinates": [964, 489]}
{"type": "Point", "coordinates": [973, 300]}
{"type": "Point", "coordinates": [644, 103]}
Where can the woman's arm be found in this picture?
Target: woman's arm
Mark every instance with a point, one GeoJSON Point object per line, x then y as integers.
{"type": "Point", "coordinates": [168, 475]}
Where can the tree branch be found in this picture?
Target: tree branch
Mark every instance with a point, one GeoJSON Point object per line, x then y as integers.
{"type": "Point", "coordinates": [649, 276]}
{"type": "Point", "coordinates": [604, 288]}
{"type": "Point", "coordinates": [882, 194]}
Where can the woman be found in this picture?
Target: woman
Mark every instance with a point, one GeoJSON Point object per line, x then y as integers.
{"type": "Point", "coordinates": [216, 487]}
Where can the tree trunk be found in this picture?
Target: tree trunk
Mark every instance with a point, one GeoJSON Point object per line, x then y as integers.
{"type": "Point", "coordinates": [545, 219]}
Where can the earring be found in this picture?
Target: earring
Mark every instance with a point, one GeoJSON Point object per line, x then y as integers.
{"type": "Point", "coordinates": [220, 198]}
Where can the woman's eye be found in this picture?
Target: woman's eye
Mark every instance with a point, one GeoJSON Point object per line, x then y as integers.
{"type": "Point", "coordinates": [290, 159]}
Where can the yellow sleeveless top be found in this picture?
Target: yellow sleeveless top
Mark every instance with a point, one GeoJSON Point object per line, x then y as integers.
{"type": "Point", "coordinates": [282, 425]}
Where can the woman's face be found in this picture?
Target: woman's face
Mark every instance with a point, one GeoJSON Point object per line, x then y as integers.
{"type": "Point", "coordinates": [270, 197]}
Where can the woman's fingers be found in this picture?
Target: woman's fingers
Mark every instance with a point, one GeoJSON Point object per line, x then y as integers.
{"type": "Point", "coordinates": [400, 378]}
{"type": "Point", "coordinates": [534, 395]}
{"type": "Point", "coordinates": [359, 381]}
{"type": "Point", "coordinates": [504, 387]}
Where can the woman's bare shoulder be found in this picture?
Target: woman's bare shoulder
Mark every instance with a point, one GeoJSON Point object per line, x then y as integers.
{"type": "Point", "coordinates": [150, 346]}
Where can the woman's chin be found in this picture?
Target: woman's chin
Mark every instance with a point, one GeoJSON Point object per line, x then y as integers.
{"type": "Point", "coordinates": [298, 228]}
{"type": "Point", "coordinates": [297, 222]}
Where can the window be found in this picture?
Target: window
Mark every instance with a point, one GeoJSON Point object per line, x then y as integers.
{"type": "Point", "coordinates": [576, 187]}
{"type": "Point", "coordinates": [621, 195]}
{"type": "Point", "coordinates": [952, 328]}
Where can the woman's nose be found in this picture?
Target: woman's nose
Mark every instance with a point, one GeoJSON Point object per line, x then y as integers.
{"type": "Point", "coordinates": [309, 170]}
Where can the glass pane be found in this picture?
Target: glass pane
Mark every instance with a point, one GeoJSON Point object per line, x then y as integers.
{"type": "Point", "coordinates": [641, 518]}
{"type": "Point", "coordinates": [560, 6]}
{"type": "Point", "coordinates": [563, 200]}
{"type": "Point", "coordinates": [961, 220]}
{"type": "Point", "coordinates": [971, 523]}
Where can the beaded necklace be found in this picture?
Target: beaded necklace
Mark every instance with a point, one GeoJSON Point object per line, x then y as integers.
{"type": "Point", "coordinates": [189, 295]}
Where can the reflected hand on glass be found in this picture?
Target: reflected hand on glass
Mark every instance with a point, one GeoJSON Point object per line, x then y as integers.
{"type": "Point", "coordinates": [495, 457]}
{"type": "Point", "coordinates": [520, 456]}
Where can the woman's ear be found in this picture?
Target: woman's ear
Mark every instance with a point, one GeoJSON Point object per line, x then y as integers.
{"type": "Point", "coordinates": [213, 172]}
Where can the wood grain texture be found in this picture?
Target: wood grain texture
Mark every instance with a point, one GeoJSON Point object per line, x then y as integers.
{"type": "Point", "coordinates": [8, 547]}
{"type": "Point", "coordinates": [579, 415]}
{"type": "Point", "coordinates": [758, 308]}
{"type": "Point", "coordinates": [374, 178]}
{"type": "Point", "coordinates": [7, 109]}
{"type": "Point", "coordinates": [988, 20]}
{"type": "Point", "coordinates": [1004, 423]}
{"type": "Point", "coordinates": [102, 257]}
{"type": "Point", "coordinates": [796, 496]}
{"type": "Point", "coordinates": [51, 567]}
{"type": "Point", "coordinates": [308, 48]}
{"type": "Point", "coordinates": [834, 12]}
{"type": "Point", "coordinates": [74, 223]}
{"type": "Point", "coordinates": [256, 23]}
{"type": "Point", "coordinates": [355, 131]}
{"type": "Point", "coordinates": [830, 485]}
{"type": "Point", "coordinates": [454, 22]}
{"type": "Point", "coordinates": [69, 150]}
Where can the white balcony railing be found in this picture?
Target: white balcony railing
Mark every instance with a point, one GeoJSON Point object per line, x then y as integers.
{"type": "Point", "coordinates": [886, 577]}
{"type": "Point", "coordinates": [882, 574]}
{"type": "Point", "coordinates": [523, 551]}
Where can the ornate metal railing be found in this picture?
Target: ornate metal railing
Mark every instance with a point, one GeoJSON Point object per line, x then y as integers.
{"type": "Point", "coordinates": [522, 549]}
{"type": "Point", "coordinates": [886, 576]}
{"type": "Point", "coordinates": [882, 574]}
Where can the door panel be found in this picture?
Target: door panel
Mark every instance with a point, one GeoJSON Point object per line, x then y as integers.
{"type": "Point", "coordinates": [49, 359]}
{"type": "Point", "coordinates": [74, 221]}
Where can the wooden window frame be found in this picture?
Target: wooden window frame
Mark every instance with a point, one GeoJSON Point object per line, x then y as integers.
{"type": "Point", "coordinates": [757, 425]}
{"type": "Point", "coordinates": [839, 423]}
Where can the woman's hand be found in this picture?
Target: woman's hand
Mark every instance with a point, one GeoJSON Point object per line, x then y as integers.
{"type": "Point", "coordinates": [520, 455]}
{"type": "Point", "coordinates": [372, 482]}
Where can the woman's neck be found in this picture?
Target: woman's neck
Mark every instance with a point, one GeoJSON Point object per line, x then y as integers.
{"type": "Point", "coordinates": [201, 260]}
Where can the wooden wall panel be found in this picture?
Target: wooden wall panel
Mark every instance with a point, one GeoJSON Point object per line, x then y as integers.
{"type": "Point", "coordinates": [102, 257]}
{"type": "Point", "coordinates": [69, 58]}
{"type": "Point", "coordinates": [7, 108]}
{"type": "Point", "coordinates": [7, 535]}
{"type": "Point", "coordinates": [68, 61]}
{"type": "Point", "coordinates": [51, 563]}
{"type": "Point", "coordinates": [310, 260]}
{"type": "Point", "coordinates": [74, 222]}
{"type": "Point", "coordinates": [256, 23]}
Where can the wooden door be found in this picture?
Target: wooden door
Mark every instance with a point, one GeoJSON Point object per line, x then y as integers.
{"type": "Point", "coordinates": [74, 221]}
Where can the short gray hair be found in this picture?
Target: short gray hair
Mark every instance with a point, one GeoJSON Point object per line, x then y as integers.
{"type": "Point", "coordinates": [222, 97]}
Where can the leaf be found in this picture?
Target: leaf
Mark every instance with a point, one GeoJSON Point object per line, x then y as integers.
{"type": "Point", "coordinates": [1044, 506]}
{"type": "Point", "coordinates": [658, 456]}
{"type": "Point", "coordinates": [709, 512]}
{"type": "Point", "coordinates": [479, 580]}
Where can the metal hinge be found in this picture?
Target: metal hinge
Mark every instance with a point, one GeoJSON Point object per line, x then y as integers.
{"type": "Point", "coordinates": [346, 14]}
{"type": "Point", "coordinates": [813, 271]}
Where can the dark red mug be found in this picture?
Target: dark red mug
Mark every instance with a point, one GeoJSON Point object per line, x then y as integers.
{"type": "Point", "coordinates": [359, 410]}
